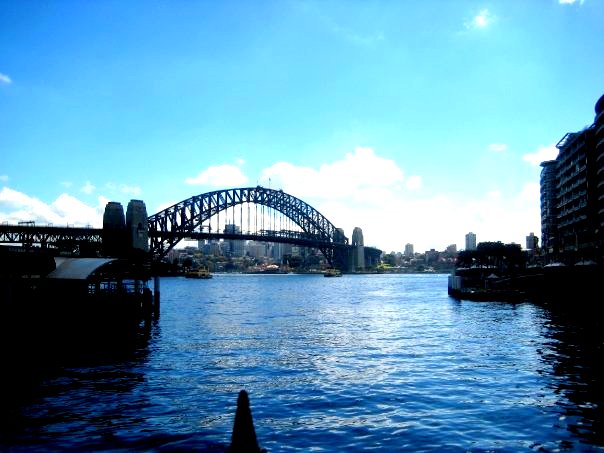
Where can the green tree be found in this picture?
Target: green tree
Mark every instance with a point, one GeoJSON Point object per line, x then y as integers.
{"type": "Point", "coordinates": [187, 263]}
{"type": "Point", "coordinates": [389, 259]}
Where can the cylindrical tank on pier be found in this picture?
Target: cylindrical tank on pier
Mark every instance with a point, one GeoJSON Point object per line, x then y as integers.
{"type": "Point", "coordinates": [136, 223]}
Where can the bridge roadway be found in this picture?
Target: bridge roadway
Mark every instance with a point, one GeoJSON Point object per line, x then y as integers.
{"type": "Point", "coordinates": [83, 240]}
{"type": "Point", "coordinates": [66, 237]}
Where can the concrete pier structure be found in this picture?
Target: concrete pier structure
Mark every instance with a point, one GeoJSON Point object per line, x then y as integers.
{"type": "Point", "coordinates": [358, 251]}
{"type": "Point", "coordinates": [114, 229]}
{"type": "Point", "coordinates": [136, 224]}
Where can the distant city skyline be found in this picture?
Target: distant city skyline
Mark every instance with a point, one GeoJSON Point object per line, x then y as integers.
{"type": "Point", "coordinates": [415, 121]}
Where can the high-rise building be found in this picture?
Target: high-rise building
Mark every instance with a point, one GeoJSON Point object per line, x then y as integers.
{"type": "Point", "coordinates": [599, 141]}
{"type": "Point", "coordinates": [256, 249]}
{"type": "Point", "coordinates": [532, 243]}
{"type": "Point", "coordinates": [548, 206]}
{"type": "Point", "coordinates": [572, 195]}
{"type": "Point", "coordinates": [236, 246]}
{"type": "Point", "coordinates": [470, 241]}
{"type": "Point", "coordinates": [212, 248]}
{"type": "Point", "coordinates": [409, 250]}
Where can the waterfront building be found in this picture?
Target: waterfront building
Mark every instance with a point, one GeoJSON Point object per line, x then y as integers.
{"type": "Point", "coordinates": [212, 248]}
{"type": "Point", "coordinates": [409, 250]}
{"type": "Point", "coordinates": [235, 246]}
{"type": "Point", "coordinates": [572, 195]}
{"type": "Point", "coordinates": [548, 207]}
{"type": "Point", "coordinates": [279, 250]}
{"type": "Point", "coordinates": [451, 249]}
{"type": "Point", "coordinates": [431, 256]}
{"type": "Point", "coordinates": [256, 249]}
{"type": "Point", "coordinates": [200, 244]}
{"type": "Point", "coordinates": [173, 255]}
{"type": "Point", "coordinates": [532, 243]}
{"type": "Point", "coordinates": [599, 162]}
{"type": "Point", "coordinates": [471, 241]}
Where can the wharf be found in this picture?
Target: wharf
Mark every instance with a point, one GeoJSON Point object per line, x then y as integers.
{"type": "Point", "coordinates": [548, 284]}
{"type": "Point", "coordinates": [51, 304]}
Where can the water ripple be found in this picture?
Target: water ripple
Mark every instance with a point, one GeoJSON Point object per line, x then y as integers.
{"type": "Point", "coordinates": [359, 363]}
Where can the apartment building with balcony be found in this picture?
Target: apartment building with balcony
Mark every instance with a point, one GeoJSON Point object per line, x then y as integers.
{"type": "Point", "coordinates": [572, 195]}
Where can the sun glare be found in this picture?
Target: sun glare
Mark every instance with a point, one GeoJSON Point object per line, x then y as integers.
{"type": "Point", "coordinates": [482, 20]}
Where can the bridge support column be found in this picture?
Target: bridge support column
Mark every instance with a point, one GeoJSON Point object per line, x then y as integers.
{"type": "Point", "coordinates": [156, 297]}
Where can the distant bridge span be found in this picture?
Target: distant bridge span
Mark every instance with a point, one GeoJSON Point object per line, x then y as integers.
{"type": "Point", "coordinates": [186, 220]}
{"type": "Point", "coordinates": [191, 219]}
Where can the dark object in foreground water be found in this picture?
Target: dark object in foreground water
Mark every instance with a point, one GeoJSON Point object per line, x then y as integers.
{"type": "Point", "coordinates": [243, 439]}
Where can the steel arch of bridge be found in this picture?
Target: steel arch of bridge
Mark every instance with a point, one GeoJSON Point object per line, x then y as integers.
{"type": "Point", "coordinates": [184, 219]}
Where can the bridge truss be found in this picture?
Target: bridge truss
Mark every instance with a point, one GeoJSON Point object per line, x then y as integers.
{"type": "Point", "coordinates": [73, 240]}
{"type": "Point", "coordinates": [192, 219]}
{"type": "Point", "coordinates": [256, 207]}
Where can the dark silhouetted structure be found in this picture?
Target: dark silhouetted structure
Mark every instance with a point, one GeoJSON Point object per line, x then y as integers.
{"type": "Point", "coordinates": [572, 196]}
{"type": "Point", "coordinates": [243, 439]}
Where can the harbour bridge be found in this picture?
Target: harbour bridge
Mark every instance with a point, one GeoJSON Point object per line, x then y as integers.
{"type": "Point", "coordinates": [238, 214]}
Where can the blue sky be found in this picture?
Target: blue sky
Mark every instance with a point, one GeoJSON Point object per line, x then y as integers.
{"type": "Point", "coordinates": [416, 121]}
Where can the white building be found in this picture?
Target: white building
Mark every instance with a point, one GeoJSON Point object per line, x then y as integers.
{"type": "Point", "coordinates": [470, 241]}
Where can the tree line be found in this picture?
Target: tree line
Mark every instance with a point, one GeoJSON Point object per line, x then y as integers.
{"type": "Point", "coordinates": [505, 257]}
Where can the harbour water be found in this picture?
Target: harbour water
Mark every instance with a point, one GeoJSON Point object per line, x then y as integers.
{"type": "Point", "coordinates": [380, 363]}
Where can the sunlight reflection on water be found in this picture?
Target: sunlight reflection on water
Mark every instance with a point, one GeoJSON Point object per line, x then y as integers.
{"type": "Point", "coordinates": [379, 363]}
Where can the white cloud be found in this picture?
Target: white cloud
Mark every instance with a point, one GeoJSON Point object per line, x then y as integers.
{"type": "Point", "coordinates": [497, 216]}
{"type": "Point", "coordinates": [367, 191]}
{"type": "Point", "coordinates": [66, 184]}
{"type": "Point", "coordinates": [530, 192]}
{"type": "Point", "coordinates": [88, 188]}
{"type": "Point", "coordinates": [414, 183]}
{"type": "Point", "coordinates": [73, 211]}
{"type": "Point", "coordinates": [361, 189]}
{"type": "Point", "coordinates": [16, 206]}
{"type": "Point", "coordinates": [102, 203]}
{"type": "Point", "coordinates": [542, 154]}
{"type": "Point", "coordinates": [349, 179]}
{"type": "Point", "coordinates": [439, 221]}
{"type": "Point", "coordinates": [498, 147]}
{"type": "Point", "coordinates": [13, 203]}
{"type": "Point", "coordinates": [4, 178]}
{"type": "Point", "coordinates": [570, 2]}
{"type": "Point", "coordinates": [219, 176]}
{"type": "Point", "coordinates": [5, 79]}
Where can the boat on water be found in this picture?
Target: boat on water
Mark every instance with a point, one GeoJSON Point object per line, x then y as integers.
{"type": "Point", "coordinates": [202, 272]}
{"type": "Point", "coordinates": [332, 272]}
{"type": "Point", "coordinates": [270, 269]}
